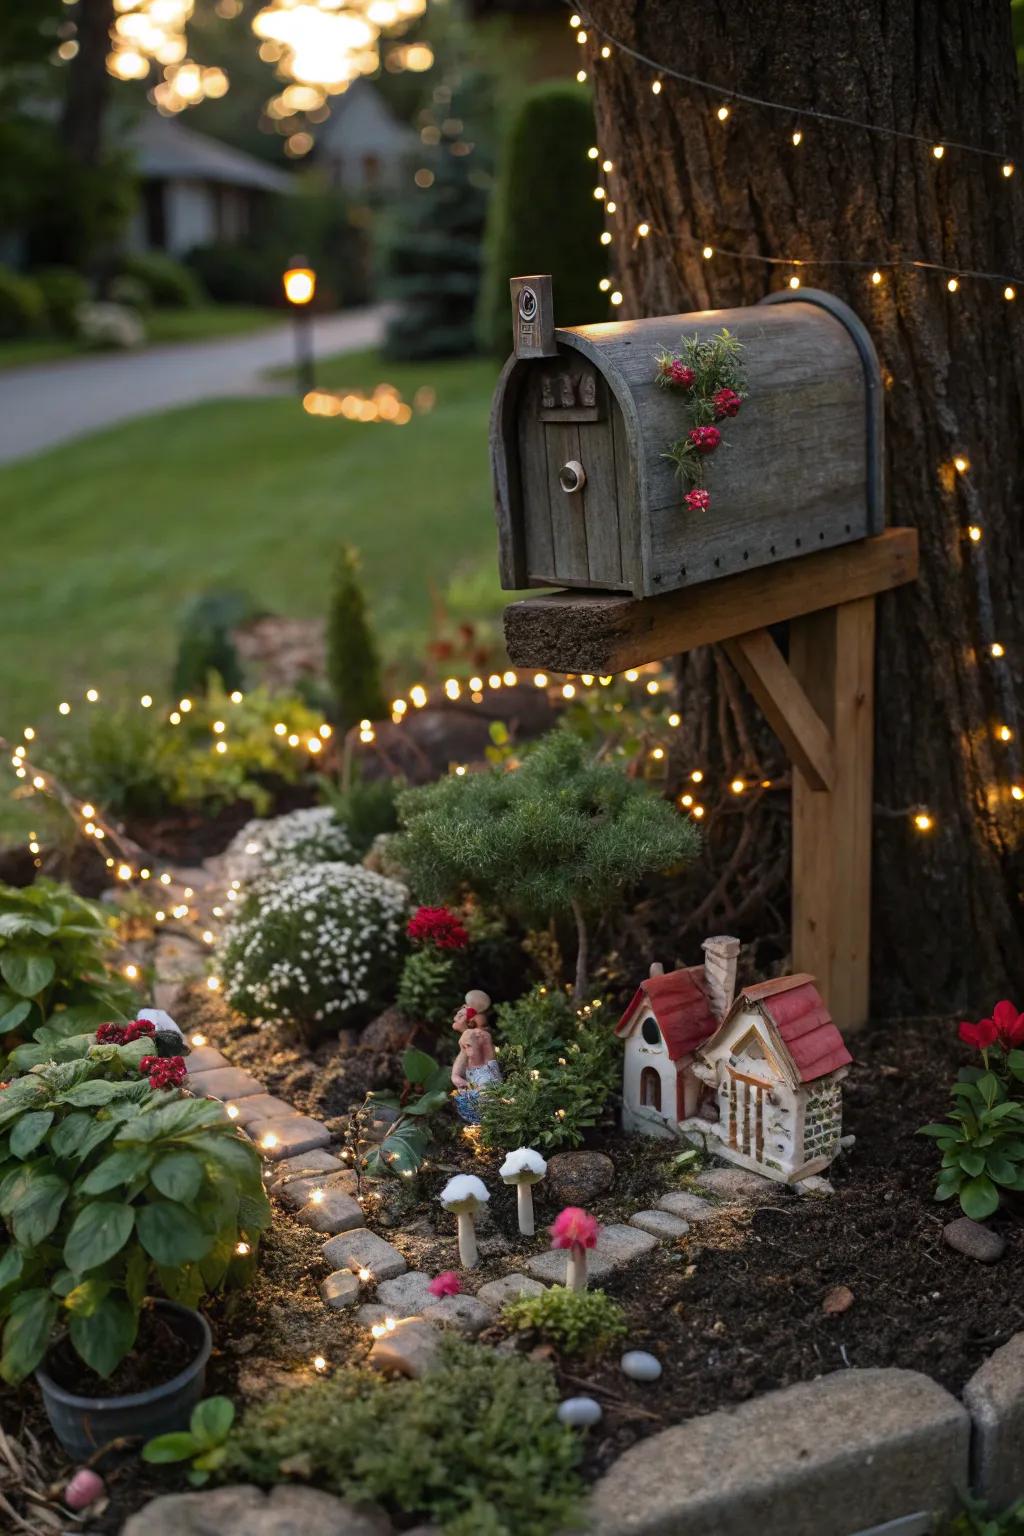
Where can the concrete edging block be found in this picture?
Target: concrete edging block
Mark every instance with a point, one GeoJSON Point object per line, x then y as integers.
{"type": "Point", "coordinates": [994, 1398]}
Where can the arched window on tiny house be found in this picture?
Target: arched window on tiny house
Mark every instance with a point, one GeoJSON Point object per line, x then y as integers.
{"type": "Point", "coordinates": [650, 1088]}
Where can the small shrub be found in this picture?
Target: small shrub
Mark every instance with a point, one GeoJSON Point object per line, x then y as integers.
{"type": "Point", "coordinates": [318, 949]}
{"type": "Point", "coordinates": [54, 947]}
{"type": "Point", "coordinates": [21, 305]}
{"type": "Point", "coordinates": [559, 1065]}
{"type": "Point", "coordinates": [576, 1322]}
{"type": "Point", "coordinates": [353, 666]}
{"type": "Point", "coordinates": [237, 274]}
{"type": "Point", "coordinates": [431, 986]}
{"type": "Point", "coordinates": [267, 849]}
{"type": "Point", "coordinates": [365, 806]}
{"type": "Point", "coordinates": [112, 1189]}
{"type": "Point", "coordinates": [474, 1445]}
{"type": "Point", "coordinates": [205, 644]}
{"type": "Point", "coordinates": [109, 327]}
{"type": "Point", "coordinates": [169, 284]}
{"type": "Point", "coordinates": [62, 290]}
{"type": "Point", "coordinates": [977, 1520]}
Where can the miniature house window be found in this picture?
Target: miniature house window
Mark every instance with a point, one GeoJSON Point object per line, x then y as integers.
{"type": "Point", "coordinates": [651, 1032]}
{"type": "Point", "coordinates": [650, 1088]}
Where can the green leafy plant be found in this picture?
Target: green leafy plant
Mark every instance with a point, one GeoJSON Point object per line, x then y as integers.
{"type": "Point", "coordinates": [977, 1520]}
{"type": "Point", "coordinates": [111, 1190]}
{"type": "Point", "coordinates": [424, 1092]}
{"type": "Point", "coordinates": [431, 985]}
{"type": "Point", "coordinates": [474, 1445]}
{"type": "Point", "coordinates": [353, 665]}
{"type": "Point", "coordinates": [981, 1141]}
{"type": "Point", "coordinates": [53, 952]}
{"type": "Point", "coordinates": [63, 290]}
{"type": "Point", "coordinates": [204, 1443]}
{"type": "Point", "coordinates": [167, 282]}
{"type": "Point", "coordinates": [560, 1064]}
{"type": "Point", "coordinates": [576, 1322]}
{"type": "Point", "coordinates": [560, 833]}
{"type": "Point", "coordinates": [205, 644]}
{"type": "Point", "coordinates": [365, 807]}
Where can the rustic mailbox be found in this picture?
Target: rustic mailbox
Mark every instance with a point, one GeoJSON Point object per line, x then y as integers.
{"type": "Point", "coordinates": [585, 494]}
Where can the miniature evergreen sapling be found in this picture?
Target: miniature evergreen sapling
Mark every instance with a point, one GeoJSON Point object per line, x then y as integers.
{"type": "Point", "coordinates": [353, 666]}
{"type": "Point", "coordinates": [561, 833]}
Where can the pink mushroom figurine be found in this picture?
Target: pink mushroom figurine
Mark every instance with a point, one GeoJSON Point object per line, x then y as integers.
{"type": "Point", "coordinates": [577, 1231]}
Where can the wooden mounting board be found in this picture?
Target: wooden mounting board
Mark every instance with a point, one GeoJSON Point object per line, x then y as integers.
{"type": "Point", "coordinates": [603, 633]}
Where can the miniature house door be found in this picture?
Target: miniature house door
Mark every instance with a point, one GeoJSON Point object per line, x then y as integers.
{"type": "Point", "coordinates": [746, 1114]}
{"type": "Point", "coordinates": [650, 1088]}
{"type": "Point", "coordinates": [573, 458]}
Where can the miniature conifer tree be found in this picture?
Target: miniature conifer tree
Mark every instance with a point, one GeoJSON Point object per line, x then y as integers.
{"type": "Point", "coordinates": [544, 216]}
{"type": "Point", "coordinates": [353, 666]}
{"type": "Point", "coordinates": [562, 833]}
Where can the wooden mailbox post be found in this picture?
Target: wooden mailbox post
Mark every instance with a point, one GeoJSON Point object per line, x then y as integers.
{"type": "Point", "coordinates": [583, 406]}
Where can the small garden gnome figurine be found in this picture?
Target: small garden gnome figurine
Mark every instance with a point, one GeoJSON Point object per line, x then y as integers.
{"type": "Point", "coordinates": [475, 1066]}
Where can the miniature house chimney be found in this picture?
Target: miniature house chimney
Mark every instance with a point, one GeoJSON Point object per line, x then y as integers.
{"type": "Point", "coordinates": [721, 954]}
{"type": "Point", "coordinates": [657, 969]}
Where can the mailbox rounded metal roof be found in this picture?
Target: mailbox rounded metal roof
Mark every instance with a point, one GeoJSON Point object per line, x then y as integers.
{"type": "Point", "coordinates": [585, 494]}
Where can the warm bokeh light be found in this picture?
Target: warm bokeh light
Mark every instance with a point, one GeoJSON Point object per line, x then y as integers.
{"type": "Point", "coordinates": [299, 284]}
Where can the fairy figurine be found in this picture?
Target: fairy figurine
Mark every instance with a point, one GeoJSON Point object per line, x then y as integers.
{"type": "Point", "coordinates": [476, 1065]}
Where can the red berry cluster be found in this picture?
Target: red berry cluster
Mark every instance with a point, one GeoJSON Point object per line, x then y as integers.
{"type": "Point", "coordinates": [677, 373]}
{"type": "Point", "coordinates": [163, 1071]}
{"type": "Point", "coordinates": [437, 926]}
{"type": "Point", "coordinates": [726, 403]}
{"type": "Point", "coordinates": [124, 1034]}
{"type": "Point", "coordinates": [705, 439]}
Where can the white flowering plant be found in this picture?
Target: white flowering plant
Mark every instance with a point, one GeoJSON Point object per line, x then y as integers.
{"type": "Point", "coordinates": [270, 847]}
{"type": "Point", "coordinates": [319, 948]}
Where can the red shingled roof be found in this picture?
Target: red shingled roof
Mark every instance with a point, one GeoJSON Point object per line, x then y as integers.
{"type": "Point", "coordinates": [795, 1007]}
{"type": "Point", "coordinates": [680, 1005]}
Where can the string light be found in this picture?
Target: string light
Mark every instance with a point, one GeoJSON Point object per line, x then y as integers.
{"type": "Point", "coordinates": [707, 253]}
{"type": "Point", "coordinates": [923, 821]}
{"type": "Point", "coordinates": [961, 463]}
{"type": "Point", "coordinates": [876, 277]}
{"type": "Point", "coordinates": [656, 88]}
{"type": "Point", "coordinates": [1008, 168]}
{"type": "Point", "coordinates": [722, 113]}
{"type": "Point", "coordinates": [938, 150]}
{"type": "Point", "coordinates": [996, 650]}
{"type": "Point", "coordinates": [797, 137]}
{"type": "Point", "coordinates": [953, 284]}
{"type": "Point", "coordinates": [794, 281]}
{"type": "Point", "coordinates": [974, 533]}
{"type": "Point", "coordinates": [643, 230]}
{"type": "Point", "coordinates": [1009, 292]}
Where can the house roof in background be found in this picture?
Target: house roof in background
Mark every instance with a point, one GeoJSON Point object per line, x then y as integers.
{"type": "Point", "coordinates": [165, 149]}
{"type": "Point", "coordinates": [681, 1007]}
{"type": "Point", "coordinates": [362, 123]}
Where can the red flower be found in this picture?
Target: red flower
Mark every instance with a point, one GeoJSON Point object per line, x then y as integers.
{"type": "Point", "coordinates": [697, 501]}
{"type": "Point", "coordinates": [163, 1071]}
{"type": "Point", "coordinates": [574, 1228]}
{"type": "Point", "coordinates": [137, 1028]}
{"type": "Point", "coordinates": [447, 1283]}
{"type": "Point", "coordinates": [437, 926]}
{"type": "Point", "coordinates": [705, 439]}
{"type": "Point", "coordinates": [980, 1035]}
{"type": "Point", "coordinates": [726, 403]}
{"type": "Point", "coordinates": [677, 373]}
{"type": "Point", "coordinates": [110, 1034]}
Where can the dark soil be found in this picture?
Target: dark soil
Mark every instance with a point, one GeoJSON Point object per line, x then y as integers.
{"type": "Point", "coordinates": [161, 1352]}
{"type": "Point", "coordinates": [732, 1309]}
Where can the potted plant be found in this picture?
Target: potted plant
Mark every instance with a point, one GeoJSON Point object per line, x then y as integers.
{"type": "Point", "coordinates": [115, 1188]}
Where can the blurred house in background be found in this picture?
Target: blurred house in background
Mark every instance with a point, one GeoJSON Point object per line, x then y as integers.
{"type": "Point", "coordinates": [195, 190]}
{"type": "Point", "coordinates": [363, 147]}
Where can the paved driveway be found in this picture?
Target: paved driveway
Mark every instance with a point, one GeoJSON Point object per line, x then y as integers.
{"type": "Point", "coordinates": [53, 402]}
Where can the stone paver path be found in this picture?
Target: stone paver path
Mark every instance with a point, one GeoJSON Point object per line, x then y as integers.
{"type": "Point", "coordinates": [616, 1245]}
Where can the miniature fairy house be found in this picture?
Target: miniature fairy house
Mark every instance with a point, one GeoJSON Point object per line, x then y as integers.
{"type": "Point", "coordinates": [758, 1076]}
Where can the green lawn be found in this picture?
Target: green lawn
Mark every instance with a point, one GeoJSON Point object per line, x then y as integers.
{"type": "Point", "coordinates": [105, 539]}
{"type": "Point", "coordinates": [162, 325]}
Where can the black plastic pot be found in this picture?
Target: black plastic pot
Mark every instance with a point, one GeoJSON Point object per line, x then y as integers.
{"type": "Point", "coordinates": [83, 1424]}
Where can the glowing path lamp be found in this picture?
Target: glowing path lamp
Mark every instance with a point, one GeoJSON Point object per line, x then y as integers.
{"type": "Point", "coordinates": [299, 283]}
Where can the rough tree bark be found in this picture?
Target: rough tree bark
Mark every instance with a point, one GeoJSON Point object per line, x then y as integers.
{"type": "Point", "coordinates": [88, 85]}
{"type": "Point", "coordinates": [948, 924]}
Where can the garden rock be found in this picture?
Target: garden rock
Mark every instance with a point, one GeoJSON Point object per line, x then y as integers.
{"type": "Point", "coordinates": [687, 1207]}
{"type": "Point", "coordinates": [178, 959]}
{"type": "Point", "coordinates": [496, 1292]}
{"type": "Point", "coordinates": [638, 1365]}
{"type": "Point", "coordinates": [301, 1133]}
{"type": "Point", "coordinates": [204, 1058]}
{"type": "Point", "coordinates": [660, 1224]}
{"type": "Point", "coordinates": [994, 1397]}
{"type": "Point", "coordinates": [814, 1184]}
{"type": "Point", "coordinates": [406, 1295]}
{"type": "Point", "coordinates": [244, 1511]}
{"type": "Point", "coordinates": [408, 1349]}
{"type": "Point", "coordinates": [309, 1163]}
{"type": "Point", "coordinates": [295, 1194]}
{"type": "Point", "coordinates": [336, 1212]}
{"type": "Point", "coordinates": [843, 1453]}
{"type": "Point", "coordinates": [341, 1289]}
{"type": "Point", "coordinates": [466, 1314]}
{"type": "Point", "coordinates": [616, 1245]}
{"type": "Point", "coordinates": [225, 1083]}
{"type": "Point", "coordinates": [389, 1031]}
{"type": "Point", "coordinates": [976, 1241]}
{"type": "Point", "coordinates": [364, 1249]}
{"type": "Point", "coordinates": [580, 1412]}
{"type": "Point", "coordinates": [577, 1178]}
{"type": "Point", "coordinates": [735, 1184]}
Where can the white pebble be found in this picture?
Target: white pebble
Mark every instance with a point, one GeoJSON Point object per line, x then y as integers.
{"type": "Point", "coordinates": [580, 1412]}
{"type": "Point", "coordinates": [641, 1366]}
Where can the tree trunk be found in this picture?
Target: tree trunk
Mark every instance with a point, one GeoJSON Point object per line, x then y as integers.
{"type": "Point", "coordinates": [948, 924]}
{"type": "Point", "coordinates": [88, 83]}
{"type": "Point", "coordinates": [582, 954]}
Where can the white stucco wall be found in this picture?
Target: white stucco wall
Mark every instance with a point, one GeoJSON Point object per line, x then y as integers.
{"type": "Point", "coordinates": [638, 1055]}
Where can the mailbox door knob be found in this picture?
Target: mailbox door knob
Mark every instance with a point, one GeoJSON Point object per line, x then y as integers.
{"type": "Point", "coordinates": [572, 477]}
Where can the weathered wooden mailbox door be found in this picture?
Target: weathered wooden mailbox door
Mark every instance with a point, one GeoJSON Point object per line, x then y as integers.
{"type": "Point", "coordinates": [587, 497]}
{"type": "Point", "coordinates": [587, 500]}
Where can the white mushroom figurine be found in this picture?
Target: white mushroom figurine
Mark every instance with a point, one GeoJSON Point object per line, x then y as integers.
{"type": "Point", "coordinates": [465, 1194]}
{"type": "Point", "coordinates": [524, 1168]}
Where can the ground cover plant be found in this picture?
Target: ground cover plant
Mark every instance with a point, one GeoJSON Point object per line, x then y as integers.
{"type": "Point", "coordinates": [576, 1322]}
{"type": "Point", "coordinates": [562, 832]}
{"type": "Point", "coordinates": [476, 1445]}
{"type": "Point", "coordinates": [114, 1187]}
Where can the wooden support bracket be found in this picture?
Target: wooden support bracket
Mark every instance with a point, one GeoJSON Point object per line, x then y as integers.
{"type": "Point", "coordinates": [820, 705]}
